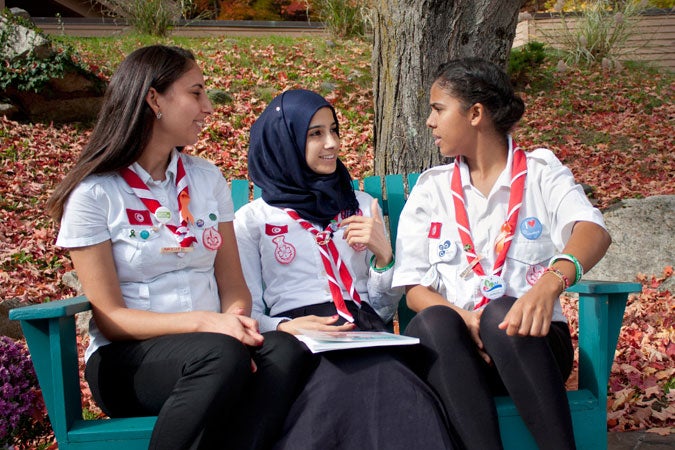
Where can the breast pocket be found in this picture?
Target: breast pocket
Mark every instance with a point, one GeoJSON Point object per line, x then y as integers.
{"type": "Point", "coordinates": [527, 259]}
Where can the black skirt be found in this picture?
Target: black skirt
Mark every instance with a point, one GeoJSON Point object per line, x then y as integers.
{"type": "Point", "coordinates": [365, 399]}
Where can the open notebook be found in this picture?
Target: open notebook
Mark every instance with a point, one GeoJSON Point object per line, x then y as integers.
{"type": "Point", "coordinates": [323, 341]}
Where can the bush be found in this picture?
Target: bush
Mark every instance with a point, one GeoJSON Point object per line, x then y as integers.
{"type": "Point", "coordinates": [32, 72]}
{"type": "Point", "coordinates": [153, 17]}
{"type": "Point", "coordinates": [344, 18]}
{"type": "Point", "coordinates": [24, 422]}
{"type": "Point", "coordinates": [600, 32]}
{"type": "Point", "coordinates": [525, 62]}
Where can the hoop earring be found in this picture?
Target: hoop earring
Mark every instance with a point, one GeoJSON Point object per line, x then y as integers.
{"type": "Point", "coordinates": [159, 115]}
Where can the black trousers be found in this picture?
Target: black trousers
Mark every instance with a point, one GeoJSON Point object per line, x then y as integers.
{"type": "Point", "coordinates": [201, 387]}
{"type": "Point", "coordinates": [532, 370]}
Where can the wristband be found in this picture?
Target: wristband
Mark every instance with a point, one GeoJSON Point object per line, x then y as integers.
{"type": "Point", "coordinates": [381, 269]}
{"type": "Point", "coordinates": [561, 276]}
{"type": "Point", "coordinates": [579, 270]}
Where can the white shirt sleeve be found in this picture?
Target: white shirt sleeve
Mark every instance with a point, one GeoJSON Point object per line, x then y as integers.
{"type": "Point", "coordinates": [84, 221]}
{"type": "Point", "coordinates": [565, 198]}
{"type": "Point", "coordinates": [412, 261]}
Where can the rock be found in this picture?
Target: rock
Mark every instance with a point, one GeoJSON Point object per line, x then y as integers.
{"type": "Point", "coordinates": [75, 97]}
{"type": "Point", "coordinates": [8, 110]}
{"type": "Point", "coordinates": [8, 327]}
{"type": "Point", "coordinates": [82, 319]}
{"type": "Point", "coordinates": [219, 96]}
{"type": "Point", "coordinates": [642, 240]}
{"type": "Point", "coordinates": [21, 41]}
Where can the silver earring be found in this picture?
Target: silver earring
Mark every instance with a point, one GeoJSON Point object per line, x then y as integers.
{"type": "Point", "coordinates": [159, 115]}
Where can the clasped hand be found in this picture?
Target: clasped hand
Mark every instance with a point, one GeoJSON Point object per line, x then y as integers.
{"type": "Point", "coordinates": [369, 231]}
{"type": "Point", "coordinates": [314, 323]}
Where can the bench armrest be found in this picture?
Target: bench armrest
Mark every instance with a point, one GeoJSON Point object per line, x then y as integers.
{"type": "Point", "coordinates": [601, 308]}
{"type": "Point", "coordinates": [49, 329]}
{"type": "Point", "coordinates": [49, 310]}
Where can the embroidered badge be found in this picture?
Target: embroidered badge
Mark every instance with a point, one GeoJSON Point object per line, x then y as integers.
{"type": "Point", "coordinates": [533, 273]}
{"type": "Point", "coordinates": [212, 239]}
{"type": "Point", "coordinates": [285, 252]}
{"type": "Point", "coordinates": [274, 230]}
{"type": "Point", "coordinates": [139, 217]}
{"type": "Point", "coordinates": [447, 250]}
{"type": "Point", "coordinates": [435, 230]}
{"type": "Point", "coordinates": [531, 228]}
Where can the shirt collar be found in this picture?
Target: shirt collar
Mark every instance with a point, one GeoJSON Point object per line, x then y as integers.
{"type": "Point", "coordinates": [504, 179]}
{"type": "Point", "coordinates": [171, 171]}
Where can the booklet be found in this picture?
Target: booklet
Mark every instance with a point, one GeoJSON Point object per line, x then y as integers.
{"type": "Point", "coordinates": [324, 341]}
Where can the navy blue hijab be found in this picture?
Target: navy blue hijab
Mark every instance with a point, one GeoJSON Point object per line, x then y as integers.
{"type": "Point", "coordinates": [277, 163]}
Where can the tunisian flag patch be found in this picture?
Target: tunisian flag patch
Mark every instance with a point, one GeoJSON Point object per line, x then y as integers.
{"type": "Point", "coordinates": [274, 230]}
{"type": "Point", "coordinates": [435, 230]}
{"type": "Point", "coordinates": [139, 217]}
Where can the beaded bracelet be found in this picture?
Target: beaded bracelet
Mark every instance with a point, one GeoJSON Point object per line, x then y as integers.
{"type": "Point", "coordinates": [381, 269]}
{"type": "Point", "coordinates": [579, 270]}
{"type": "Point", "coordinates": [563, 279]}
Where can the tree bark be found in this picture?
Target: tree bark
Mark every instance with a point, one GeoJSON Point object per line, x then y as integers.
{"type": "Point", "coordinates": [412, 37]}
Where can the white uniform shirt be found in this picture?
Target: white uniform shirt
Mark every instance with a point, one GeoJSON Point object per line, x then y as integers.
{"type": "Point", "coordinates": [552, 203]}
{"type": "Point", "coordinates": [278, 254]}
{"type": "Point", "coordinates": [103, 207]}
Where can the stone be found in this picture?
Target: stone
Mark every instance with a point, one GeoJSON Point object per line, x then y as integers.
{"type": "Point", "coordinates": [8, 110]}
{"type": "Point", "coordinates": [642, 240]}
{"type": "Point", "coordinates": [21, 41]}
{"type": "Point", "coordinates": [10, 328]}
{"type": "Point", "coordinates": [71, 280]}
{"type": "Point", "coordinates": [75, 97]}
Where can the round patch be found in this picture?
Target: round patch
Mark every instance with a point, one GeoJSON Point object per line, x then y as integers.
{"type": "Point", "coordinates": [531, 228]}
{"type": "Point", "coordinates": [533, 273]}
{"type": "Point", "coordinates": [447, 250]}
{"type": "Point", "coordinates": [212, 239]}
{"type": "Point", "coordinates": [163, 214]}
{"type": "Point", "coordinates": [492, 287]}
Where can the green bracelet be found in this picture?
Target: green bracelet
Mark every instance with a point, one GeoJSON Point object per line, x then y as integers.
{"type": "Point", "coordinates": [578, 268]}
{"type": "Point", "coordinates": [381, 269]}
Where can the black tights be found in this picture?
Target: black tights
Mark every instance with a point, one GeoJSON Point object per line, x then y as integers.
{"type": "Point", "coordinates": [201, 387]}
{"type": "Point", "coordinates": [531, 370]}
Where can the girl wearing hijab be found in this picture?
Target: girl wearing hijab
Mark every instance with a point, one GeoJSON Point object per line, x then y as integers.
{"type": "Point", "coordinates": [316, 256]}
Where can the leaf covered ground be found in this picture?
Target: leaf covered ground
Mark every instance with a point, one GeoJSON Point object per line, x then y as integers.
{"type": "Point", "coordinates": [614, 130]}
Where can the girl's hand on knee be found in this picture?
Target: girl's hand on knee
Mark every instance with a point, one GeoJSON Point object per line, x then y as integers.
{"type": "Point", "coordinates": [530, 315]}
{"type": "Point", "coordinates": [472, 321]}
{"type": "Point", "coordinates": [314, 323]}
{"type": "Point", "coordinates": [240, 327]}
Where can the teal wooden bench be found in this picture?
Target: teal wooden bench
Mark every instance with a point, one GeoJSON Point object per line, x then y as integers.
{"type": "Point", "coordinates": [49, 329]}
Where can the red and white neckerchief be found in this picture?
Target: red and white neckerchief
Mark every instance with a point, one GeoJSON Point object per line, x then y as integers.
{"type": "Point", "coordinates": [503, 241]}
{"type": "Point", "coordinates": [330, 252]}
{"type": "Point", "coordinates": [162, 213]}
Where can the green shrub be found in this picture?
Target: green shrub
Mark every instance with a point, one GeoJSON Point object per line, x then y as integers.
{"type": "Point", "coordinates": [153, 17]}
{"type": "Point", "coordinates": [600, 32]}
{"type": "Point", "coordinates": [525, 62]}
{"type": "Point", "coordinates": [32, 72]}
{"type": "Point", "coordinates": [344, 18]}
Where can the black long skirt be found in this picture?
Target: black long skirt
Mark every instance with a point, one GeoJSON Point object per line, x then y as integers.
{"type": "Point", "coordinates": [365, 399]}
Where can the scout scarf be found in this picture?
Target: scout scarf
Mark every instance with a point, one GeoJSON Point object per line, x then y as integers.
{"type": "Point", "coordinates": [162, 213]}
{"type": "Point", "coordinates": [491, 286]}
{"type": "Point", "coordinates": [329, 251]}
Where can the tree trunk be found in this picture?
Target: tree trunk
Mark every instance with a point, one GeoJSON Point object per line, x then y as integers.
{"type": "Point", "coordinates": [412, 37]}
